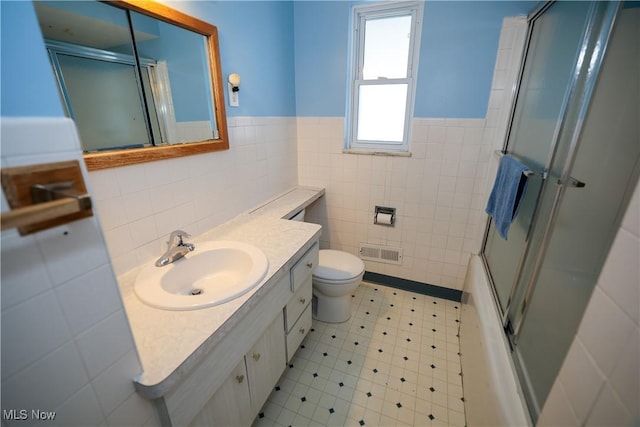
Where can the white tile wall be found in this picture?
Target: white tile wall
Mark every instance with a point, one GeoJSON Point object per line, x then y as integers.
{"type": "Point", "coordinates": [599, 382]}
{"type": "Point", "coordinates": [436, 192]}
{"type": "Point", "coordinates": [66, 344]}
{"type": "Point", "coordinates": [439, 192]}
{"type": "Point", "coordinates": [505, 77]}
{"type": "Point", "coordinates": [140, 205]}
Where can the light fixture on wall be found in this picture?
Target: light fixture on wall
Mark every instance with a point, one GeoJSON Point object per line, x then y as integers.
{"type": "Point", "coordinates": [234, 88]}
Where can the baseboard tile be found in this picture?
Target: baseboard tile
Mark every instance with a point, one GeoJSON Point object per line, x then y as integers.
{"type": "Point", "coordinates": [413, 286]}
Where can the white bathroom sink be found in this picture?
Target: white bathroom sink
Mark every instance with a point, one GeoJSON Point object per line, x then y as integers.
{"type": "Point", "coordinates": [215, 272]}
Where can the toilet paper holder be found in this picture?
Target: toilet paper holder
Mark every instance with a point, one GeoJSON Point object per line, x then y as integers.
{"type": "Point", "coordinates": [385, 216]}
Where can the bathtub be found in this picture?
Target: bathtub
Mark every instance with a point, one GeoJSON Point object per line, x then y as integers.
{"type": "Point", "coordinates": [492, 394]}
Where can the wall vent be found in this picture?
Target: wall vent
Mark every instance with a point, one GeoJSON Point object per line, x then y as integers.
{"type": "Point", "coordinates": [379, 253]}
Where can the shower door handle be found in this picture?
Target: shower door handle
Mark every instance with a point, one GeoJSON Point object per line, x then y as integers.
{"type": "Point", "coordinates": [572, 183]}
{"type": "Point", "coordinates": [576, 183]}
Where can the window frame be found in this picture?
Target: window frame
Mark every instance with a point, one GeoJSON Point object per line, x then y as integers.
{"type": "Point", "coordinates": [360, 14]}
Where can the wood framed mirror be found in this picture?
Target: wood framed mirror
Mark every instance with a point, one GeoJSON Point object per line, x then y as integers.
{"type": "Point", "coordinates": [142, 81]}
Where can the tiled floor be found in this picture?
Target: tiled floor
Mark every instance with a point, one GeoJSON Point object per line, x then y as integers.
{"type": "Point", "coordinates": [394, 363]}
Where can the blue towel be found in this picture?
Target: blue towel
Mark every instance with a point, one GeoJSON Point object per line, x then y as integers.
{"type": "Point", "coordinates": [508, 191]}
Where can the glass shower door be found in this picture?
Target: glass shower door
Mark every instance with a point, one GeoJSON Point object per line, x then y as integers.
{"type": "Point", "coordinates": [595, 170]}
{"type": "Point", "coordinates": [553, 47]}
{"type": "Point", "coordinates": [576, 120]}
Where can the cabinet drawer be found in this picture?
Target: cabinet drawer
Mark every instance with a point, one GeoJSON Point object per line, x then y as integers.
{"type": "Point", "coordinates": [298, 303]}
{"type": "Point", "coordinates": [304, 267]}
{"type": "Point", "coordinates": [298, 332]}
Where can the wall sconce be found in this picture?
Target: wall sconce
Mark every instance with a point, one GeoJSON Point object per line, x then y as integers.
{"type": "Point", "coordinates": [234, 88]}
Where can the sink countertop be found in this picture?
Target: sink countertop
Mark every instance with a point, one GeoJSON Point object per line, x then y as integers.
{"type": "Point", "coordinates": [170, 343]}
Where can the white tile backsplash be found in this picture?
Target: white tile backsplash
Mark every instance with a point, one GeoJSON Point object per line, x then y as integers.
{"type": "Point", "coordinates": [604, 339]}
{"type": "Point", "coordinates": [30, 331]}
{"type": "Point", "coordinates": [609, 338]}
{"type": "Point", "coordinates": [80, 410]}
{"type": "Point", "coordinates": [194, 193]}
{"type": "Point", "coordinates": [112, 386]}
{"type": "Point", "coordinates": [558, 410]}
{"type": "Point", "coordinates": [620, 281]}
{"type": "Point", "coordinates": [133, 411]}
{"type": "Point", "coordinates": [105, 343]}
{"type": "Point", "coordinates": [58, 293]}
{"type": "Point", "coordinates": [433, 191]}
{"type": "Point", "coordinates": [34, 136]}
{"type": "Point", "coordinates": [626, 369]}
{"type": "Point", "coordinates": [23, 271]}
{"type": "Point", "coordinates": [88, 299]}
{"type": "Point", "coordinates": [610, 411]}
{"type": "Point", "coordinates": [31, 388]}
{"type": "Point", "coordinates": [72, 249]}
{"type": "Point", "coordinates": [582, 380]}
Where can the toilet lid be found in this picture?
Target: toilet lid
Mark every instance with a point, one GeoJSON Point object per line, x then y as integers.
{"type": "Point", "coordinates": [338, 265]}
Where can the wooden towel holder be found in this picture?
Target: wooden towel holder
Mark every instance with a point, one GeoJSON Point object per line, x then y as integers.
{"type": "Point", "coordinates": [44, 196]}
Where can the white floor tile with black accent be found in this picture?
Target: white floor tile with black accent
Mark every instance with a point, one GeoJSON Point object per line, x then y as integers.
{"type": "Point", "coordinates": [396, 362]}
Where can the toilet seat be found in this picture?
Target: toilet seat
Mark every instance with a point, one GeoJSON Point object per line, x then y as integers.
{"type": "Point", "coordinates": [335, 267]}
{"type": "Point", "coordinates": [319, 280]}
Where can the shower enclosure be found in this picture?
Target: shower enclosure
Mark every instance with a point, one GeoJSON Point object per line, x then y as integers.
{"type": "Point", "coordinates": [574, 123]}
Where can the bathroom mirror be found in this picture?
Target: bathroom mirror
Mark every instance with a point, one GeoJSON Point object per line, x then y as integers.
{"type": "Point", "coordinates": [142, 81]}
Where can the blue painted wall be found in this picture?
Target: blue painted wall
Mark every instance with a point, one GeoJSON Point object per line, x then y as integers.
{"type": "Point", "coordinates": [457, 56]}
{"type": "Point", "coordinates": [321, 53]}
{"type": "Point", "coordinates": [27, 85]}
{"type": "Point", "coordinates": [292, 56]}
{"type": "Point", "coordinates": [256, 41]}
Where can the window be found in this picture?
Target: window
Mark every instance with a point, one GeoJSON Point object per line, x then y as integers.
{"type": "Point", "coordinates": [384, 62]}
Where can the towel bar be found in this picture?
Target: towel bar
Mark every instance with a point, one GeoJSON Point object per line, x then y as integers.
{"type": "Point", "coordinates": [29, 215]}
{"type": "Point", "coordinates": [44, 196]}
{"type": "Point", "coordinates": [527, 173]}
{"type": "Point", "coordinates": [571, 182]}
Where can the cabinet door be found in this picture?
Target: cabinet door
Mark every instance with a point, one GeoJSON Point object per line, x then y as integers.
{"type": "Point", "coordinates": [230, 405]}
{"type": "Point", "coordinates": [266, 362]}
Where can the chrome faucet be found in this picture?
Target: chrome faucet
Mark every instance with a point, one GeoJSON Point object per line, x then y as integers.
{"type": "Point", "coordinates": [177, 248]}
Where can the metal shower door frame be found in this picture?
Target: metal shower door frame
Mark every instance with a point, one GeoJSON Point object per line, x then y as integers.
{"type": "Point", "coordinates": [611, 10]}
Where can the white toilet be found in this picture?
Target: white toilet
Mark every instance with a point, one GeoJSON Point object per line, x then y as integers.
{"type": "Point", "coordinates": [336, 276]}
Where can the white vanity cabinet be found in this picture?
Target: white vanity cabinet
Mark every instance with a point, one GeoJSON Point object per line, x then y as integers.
{"type": "Point", "coordinates": [233, 381]}
{"type": "Point", "coordinates": [247, 388]}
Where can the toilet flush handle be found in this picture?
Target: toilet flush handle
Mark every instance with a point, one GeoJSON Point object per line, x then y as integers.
{"type": "Point", "coordinates": [310, 264]}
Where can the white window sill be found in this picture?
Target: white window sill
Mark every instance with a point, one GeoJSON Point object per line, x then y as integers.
{"type": "Point", "coordinates": [377, 153]}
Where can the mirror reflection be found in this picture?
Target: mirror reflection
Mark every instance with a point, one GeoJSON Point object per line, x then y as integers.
{"type": "Point", "coordinates": [128, 80]}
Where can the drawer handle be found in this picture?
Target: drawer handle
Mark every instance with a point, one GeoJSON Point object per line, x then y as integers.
{"type": "Point", "coordinates": [302, 330]}
{"type": "Point", "coordinates": [239, 378]}
{"type": "Point", "coordinates": [310, 264]}
{"type": "Point", "coordinates": [303, 300]}
{"type": "Point", "coordinates": [256, 356]}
